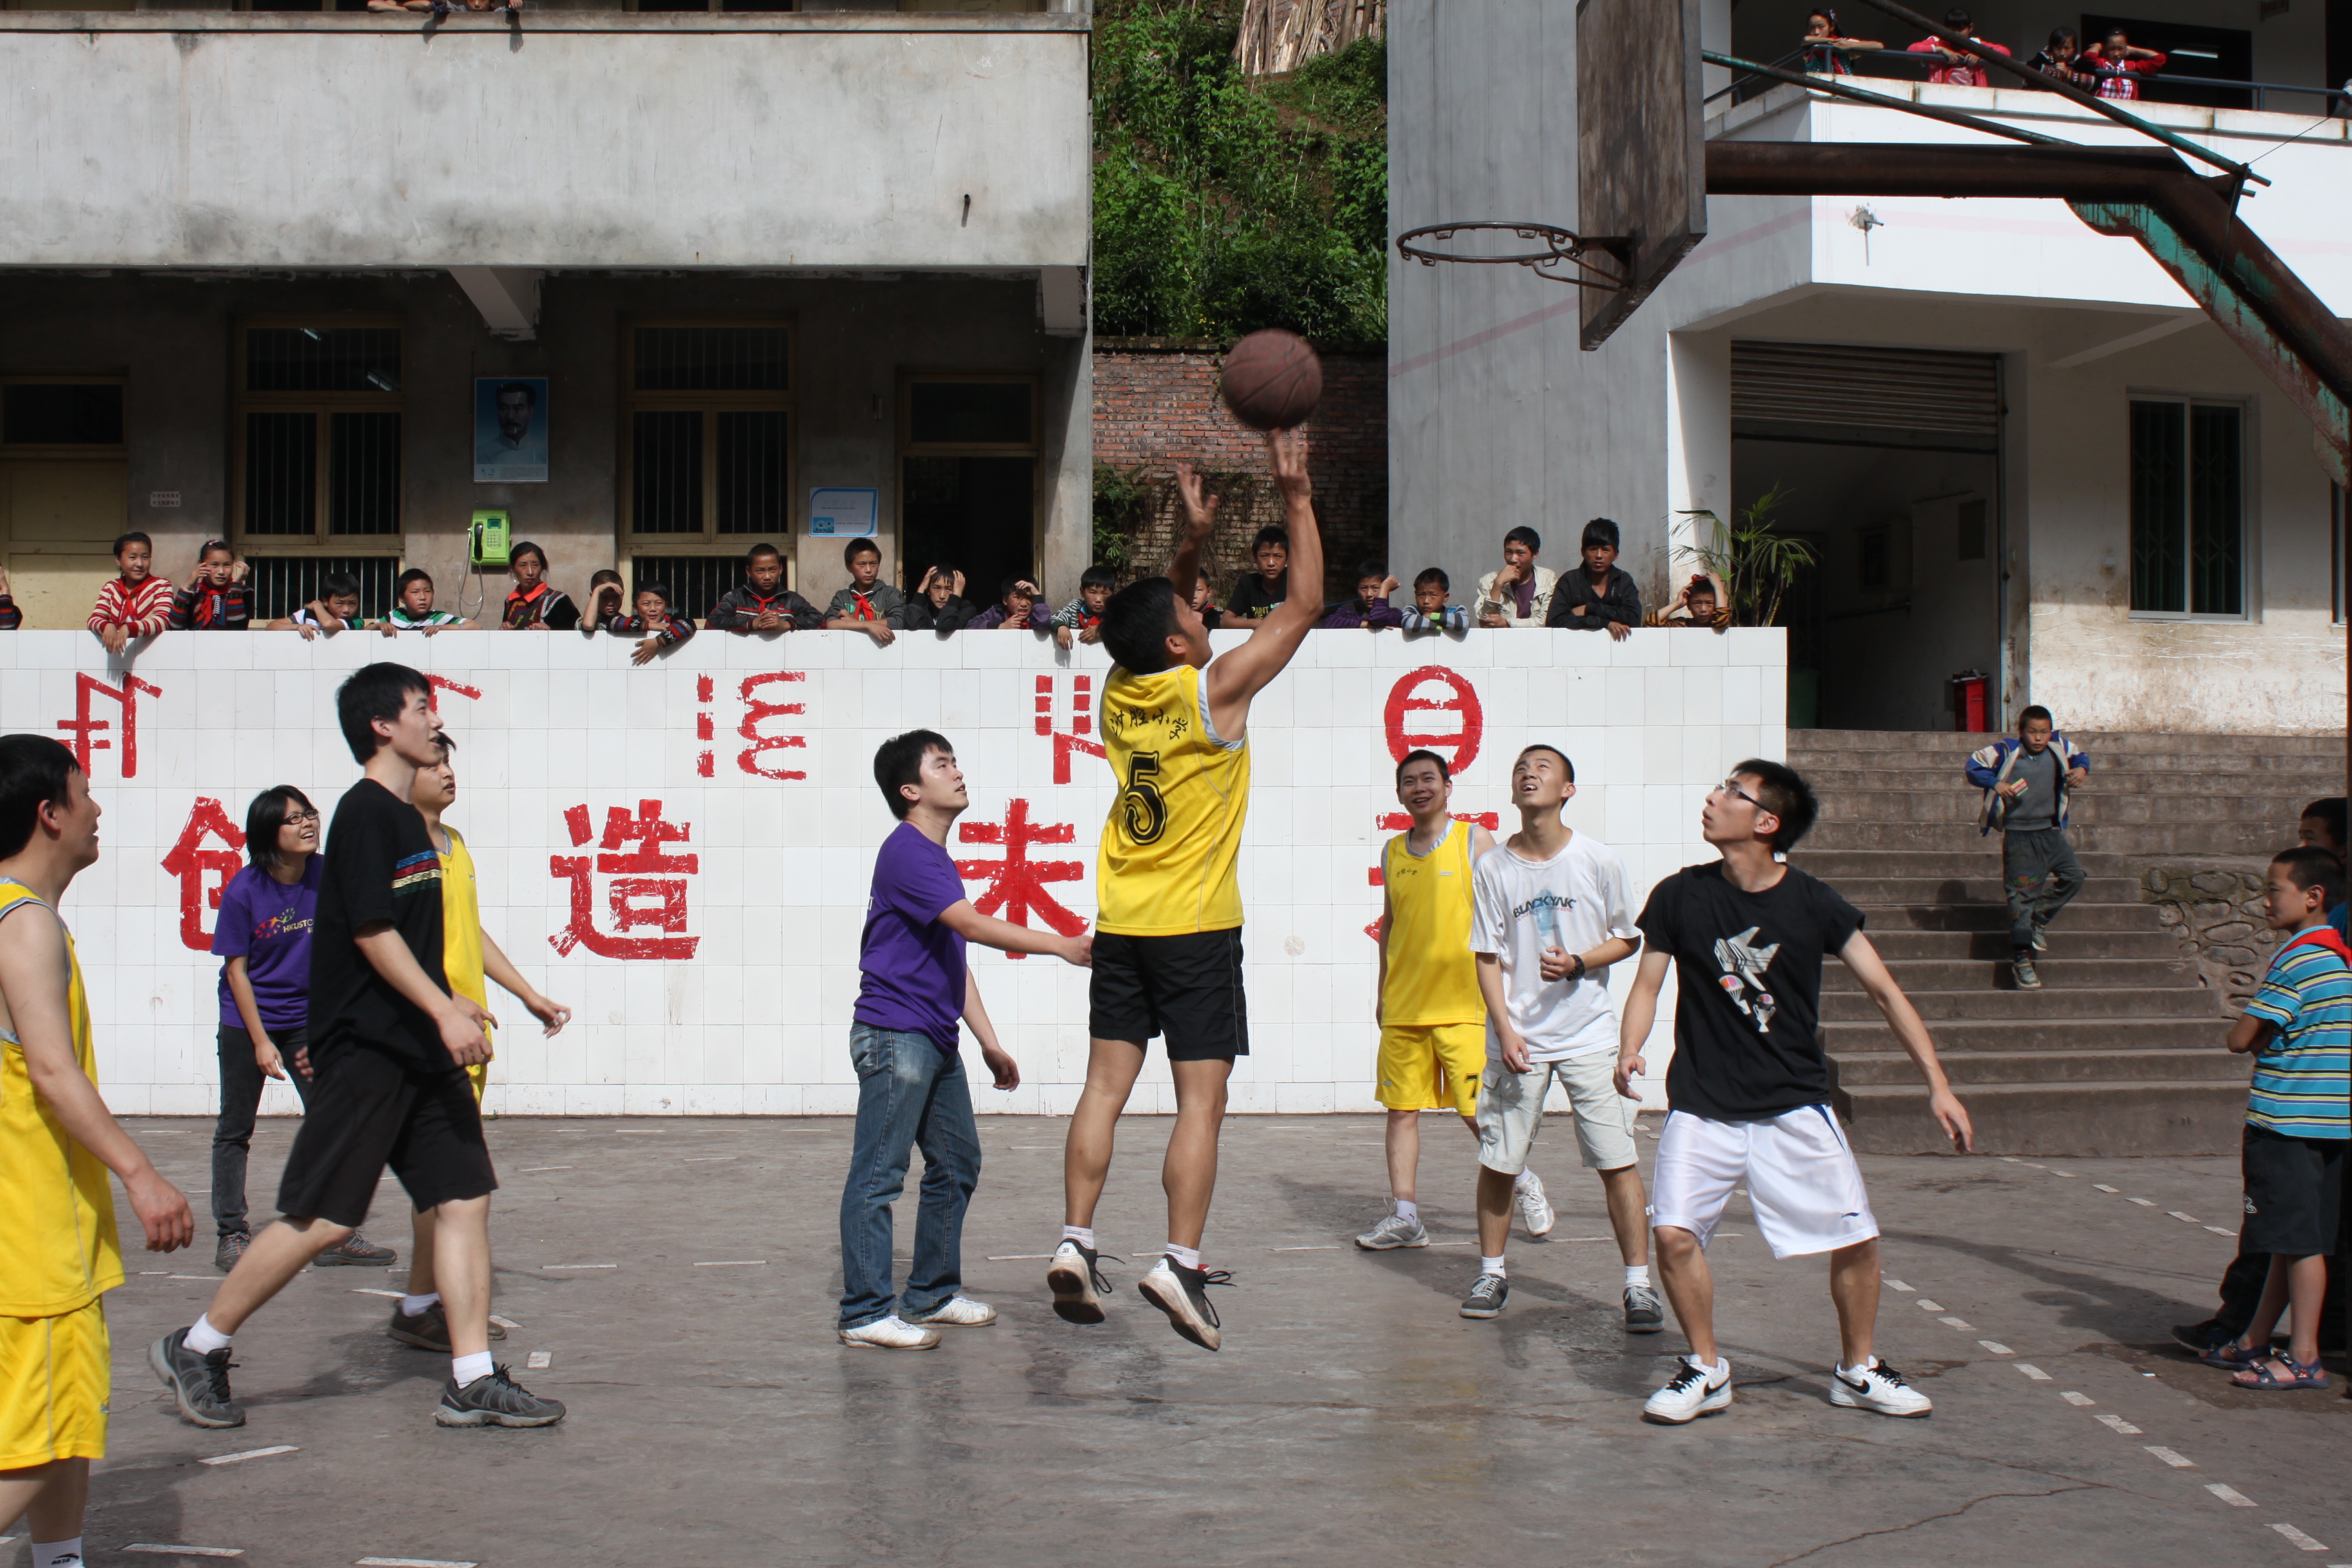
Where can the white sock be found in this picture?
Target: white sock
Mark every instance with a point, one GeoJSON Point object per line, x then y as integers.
{"type": "Point", "coordinates": [467, 1369]}
{"type": "Point", "coordinates": [1084, 1234]}
{"type": "Point", "coordinates": [1189, 1257]}
{"type": "Point", "coordinates": [1867, 1362]}
{"type": "Point", "coordinates": [1722, 1367]}
{"type": "Point", "coordinates": [1522, 1178]}
{"type": "Point", "coordinates": [1636, 1274]}
{"type": "Point", "coordinates": [57, 1553]}
{"type": "Point", "coordinates": [1408, 1209]}
{"type": "Point", "coordinates": [203, 1339]}
{"type": "Point", "coordinates": [412, 1305]}
{"type": "Point", "coordinates": [1493, 1266]}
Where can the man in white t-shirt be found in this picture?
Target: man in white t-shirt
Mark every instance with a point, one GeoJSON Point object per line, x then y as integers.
{"type": "Point", "coordinates": [1550, 914]}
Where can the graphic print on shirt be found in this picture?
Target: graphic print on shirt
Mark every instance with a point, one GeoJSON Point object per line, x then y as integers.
{"type": "Point", "coordinates": [1546, 907]}
{"type": "Point", "coordinates": [1743, 969]}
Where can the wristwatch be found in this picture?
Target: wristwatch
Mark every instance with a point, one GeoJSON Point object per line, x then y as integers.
{"type": "Point", "coordinates": [1579, 974]}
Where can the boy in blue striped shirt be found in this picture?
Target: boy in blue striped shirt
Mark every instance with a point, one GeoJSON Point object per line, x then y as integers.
{"type": "Point", "coordinates": [2299, 1117]}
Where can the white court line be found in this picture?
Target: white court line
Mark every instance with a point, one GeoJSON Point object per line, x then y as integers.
{"type": "Point", "coordinates": [2177, 1461]}
{"type": "Point", "coordinates": [549, 1265]}
{"type": "Point", "coordinates": [734, 1263]}
{"type": "Point", "coordinates": [363, 1290]}
{"type": "Point", "coordinates": [2220, 1230]}
{"type": "Point", "coordinates": [1023, 1257]}
{"type": "Point", "coordinates": [149, 1546]}
{"type": "Point", "coordinates": [2102, 1187]}
{"type": "Point", "coordinates": [411, 1562]}
{"type": "Point", "coordinates": [2230, 1495]}
{"type": "Point", "coordinates": [2183, 1218]}
{"type": "Point", "coordinates": [206, 1276]}
{"type": "Point", "coordinates": [2057, 1171]}
{"type": "Point", "coordinates": [1327, 1246]}
{"type": "Point", "coordinates": [1957, 1323]}
{"type": "Point", "coordinates": [1996, 1347]}
{"type": "Point", "coordinates": [143, 1274]}
{"type": "Point", "coordinates": [2071, 1397]}
{"type": "Point", "coordinates": [534, 1170]}
{"type": "Point", "coordinates": [640, 1132]}
{"type": "Point", "coordinates": [1925, 1305]}
{"type": "Point", "coordinates": [706, 1159]}
{"type": "Point", "coordinates": [2119, 1423]}
{"type": "Point", "coordinates": [538, 1360]}
{"type": "Point", "coordinates": [1033, 1145]}
{"type": "Point", "coordinates": [504, 1322]}
{"type": "Point", "coordinates": [250, 1454]}
{"type": "Point", "coordinates": [2143, 1202]}
{"type": "Point", "coordinates": [1894, 1285]}
{"type": "Point", "coordinates": [2032, 1371]}
{"type": "Point", "coordinates": [2296, 1538]}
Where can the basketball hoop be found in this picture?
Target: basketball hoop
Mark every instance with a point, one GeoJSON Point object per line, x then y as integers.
{"type": "Point", "coordinates": [1562, 250]}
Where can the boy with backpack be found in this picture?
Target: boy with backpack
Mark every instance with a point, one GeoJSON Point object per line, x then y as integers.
{"type": "Point", "coordinates": [2025, 778]}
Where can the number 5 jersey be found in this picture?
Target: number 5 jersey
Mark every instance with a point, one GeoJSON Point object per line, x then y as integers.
{"type": "Point", "coordinates": [1168, 861]}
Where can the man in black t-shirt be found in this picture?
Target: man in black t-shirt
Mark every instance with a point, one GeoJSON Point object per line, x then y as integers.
{"type": "Point", "coordinates": [1748, 1089]}
{"type": "Point", "coordinates": [389, 1044]}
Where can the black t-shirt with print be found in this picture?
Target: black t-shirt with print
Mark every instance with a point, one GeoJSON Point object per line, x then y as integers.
{"type": "Point", "coordinates": [380, 865]}
{"type": "Point", "coordinates": [1747, 1042]}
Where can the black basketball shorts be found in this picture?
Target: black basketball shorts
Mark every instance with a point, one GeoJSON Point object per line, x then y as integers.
{"type": "Point", "coordinates": [1187, 987]}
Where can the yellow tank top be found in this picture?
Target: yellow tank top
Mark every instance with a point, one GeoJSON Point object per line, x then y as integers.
{"type": "Point", "coordinates": [1167, 864]}
{"type": "Point", "coordinates": [58, 1246]}
{"type": "Point", "coordinates": [1432, 977]}
{"type": "Point", "coordinates": [461, 935]}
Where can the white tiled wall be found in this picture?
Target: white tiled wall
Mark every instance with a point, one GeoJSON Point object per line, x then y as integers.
{"type": "Point", "coordinates": [756, 1021]}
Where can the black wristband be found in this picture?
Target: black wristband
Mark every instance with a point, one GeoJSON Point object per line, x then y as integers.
{"type": "Point", "coordinates": [1580, 969]}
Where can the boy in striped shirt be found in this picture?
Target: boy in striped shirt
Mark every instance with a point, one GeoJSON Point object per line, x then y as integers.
{"type": "Point", "coordinates": [2299, 1117]}
{"type": "Point", "coordinates": [137, 604]}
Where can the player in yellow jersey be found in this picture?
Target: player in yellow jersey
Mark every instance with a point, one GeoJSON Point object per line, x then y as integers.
{"type": "Point", "coordinates": [59, 1254]}
{"type": "Point", "coordinates": [1168, 944]}
{"type": "Point", "coordinates": [1431, 1019]}
{"type": "Point", "coordinates": [469, 960]}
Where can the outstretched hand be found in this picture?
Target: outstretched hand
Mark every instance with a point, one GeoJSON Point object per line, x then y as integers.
{"type": "Point", "coordinates": [1199, 511]}
{"type": "Point", "coordinates": [1286, 452]}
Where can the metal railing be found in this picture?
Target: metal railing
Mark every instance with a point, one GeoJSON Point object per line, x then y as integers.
{"type": "Point", "coordinates": [2334, 101]}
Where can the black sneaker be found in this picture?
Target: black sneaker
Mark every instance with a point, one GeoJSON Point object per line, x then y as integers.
{"type": "Point", "coordinates": [2021, 970]}
{"type": "Point", "coordinates": [1076, 1279]}
{"type": "Point", "coordinates": [495, 1400]}
{"type": "Point", "coordinates": [428, 1330]}
{"type": "Point", "coordinates": [1644, 1314]}
{"type": "Point", "coordinates": [232, 1248]}
{"type": "Point", "coordinates": [1487, 1296]}
{"type": "Point", "coordinates": [2197, 1339]}
{"type": "Point", "coordinates": [355, 1251]}
{"type": "Point", "coordinates": [199, 1383]}
{"type": "Point", "coordinates": [1183, 1294]}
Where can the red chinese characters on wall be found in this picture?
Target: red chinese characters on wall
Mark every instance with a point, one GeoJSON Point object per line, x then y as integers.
{"type": "Point", "coordinates": [647, 886]}
{"type": "Point", "coordinates": [757, 758]}
{"type": "Point", "coordinates": [1080, 721]}
{"type": "Point", "coordinates": [1433, 689]}
{"type": "Point", "coordinates": [437, 684]}
{"type": "Point", "coordinates": [203, 873]}
{"type": "Point", "coordinates": [1017, 884]}
{"type": "Point", "coordinates": [85, 729]}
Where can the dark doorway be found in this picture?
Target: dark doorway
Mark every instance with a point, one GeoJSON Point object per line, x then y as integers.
{"type": "Point", "coordinates": [968, 481]}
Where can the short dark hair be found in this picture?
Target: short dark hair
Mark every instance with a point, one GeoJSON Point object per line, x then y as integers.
{"type": "Point", "coordinates": [1369, 570]}
{"type": "Point", "coordinates": [2062, 36]}
{"type": "Point", "coordinates": [123, 541]}
{"type": "Point", "coordinates": [1138, 623]}
{"type": "Point", "coordinates": [1019, 583]}
{"type": "Point", "coordinates": [264, 817]}
{"type": "Point", "coordinates": [413, 574]}
{"type": "Point", "coordinates": [339, 586]}
{"type": "Point", "coordinates": [1270, 535]}
{"type": "Point", "coordinates": [526, 389]}
{"type": "Point", "coordinates": [2307, 866]}
{"type": "Point", "coordinates": [2331, 812]}
{"type": "Point", "coordinates": [523, 547]}
{"type": "Point", "coordinates": [2115, 32]}
{"type": "Point", "coordinates": [1958, 20]}
{"type": "Point", "coordinates": [2028, 713]}
{"type": "Point", "coordinates": [1783, 792]}
{"type": "Point", "coordinates": [762, 548]}
{"type": "Point", "coordinates": [1601, 530]}
{"type": "Point", "coordinates": [1423, 755]}
{"type": "Point", "coordinates": [33, 772]}
{"type": "Point", "coordinates": [899, 762]}
{"type": "Point", "coordinates": [1702, 583]}
{"type": "Point", "coordinates": [374, 691]}
{"type": "Point", "coordinates": [209, 545]}
{"type": "Point", "coordinates": [1527, 536]}
{"type": "Point", "coordinates": [1433, 574]}
{"type": "Point", "coordinates": [658, 589]}
{"type": "Point", "coordinates": [857, 547]}
{"type": "Point", "coordinates": [1098, 576]}
{"type": "Point", "coordinates": [1555, 751]}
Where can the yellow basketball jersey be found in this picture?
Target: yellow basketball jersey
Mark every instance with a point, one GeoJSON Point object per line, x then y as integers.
{"type": "Point", "coordinates": [1432, 977]}
{"type": "Point", "coordinates": [461, 936]}
{"type": "Point", "coordinates": [1168, 865]}
{"type": "Point", "coordinates": [58, 1246]}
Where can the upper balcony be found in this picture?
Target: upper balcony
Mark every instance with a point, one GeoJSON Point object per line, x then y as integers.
{"type": "Point", "coordinates": [815, 140]}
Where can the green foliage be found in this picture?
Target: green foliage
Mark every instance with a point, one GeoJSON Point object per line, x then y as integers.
{"type": "Point", "coordinates": [1757, 561]}
{"type": "Point", "coordinates": [1223, 205]}
{"type": "Point", "coordinates": [1119, 497]}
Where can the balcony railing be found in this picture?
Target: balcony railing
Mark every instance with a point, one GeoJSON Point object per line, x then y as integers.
{"type": "Point", "coordinates": [2155, 87]}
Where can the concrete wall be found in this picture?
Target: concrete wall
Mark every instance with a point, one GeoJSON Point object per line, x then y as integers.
{"type": "Point", "coordinates": [748, 1009]}
{"type": "Point", "coordinates": [612, 140]}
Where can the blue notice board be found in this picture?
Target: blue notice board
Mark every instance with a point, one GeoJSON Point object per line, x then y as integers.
{"type": "Point", "coordinates": [845, 513]}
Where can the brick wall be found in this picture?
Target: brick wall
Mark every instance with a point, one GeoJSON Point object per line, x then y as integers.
{"type": "Point", "coordinates": [1156, 400]}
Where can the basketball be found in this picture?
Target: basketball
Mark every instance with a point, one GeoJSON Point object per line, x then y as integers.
{"type": "Point", "coordinates": [1271, 380]}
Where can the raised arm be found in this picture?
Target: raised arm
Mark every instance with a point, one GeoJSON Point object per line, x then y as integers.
{"type": "Point", "coordinates": [1242, 674]}
{"type": "Point", "coordinates": [1200, 521]}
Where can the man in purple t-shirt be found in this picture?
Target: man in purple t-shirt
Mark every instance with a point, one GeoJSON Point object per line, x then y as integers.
{"type": "Point", "coordinates": [911, 1089]}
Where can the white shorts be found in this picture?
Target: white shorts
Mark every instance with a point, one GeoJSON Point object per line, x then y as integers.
{"type": "Point", "coordinates": [1510, 1108]}
{"type": "Point", "coordinates": [1802, 1179]}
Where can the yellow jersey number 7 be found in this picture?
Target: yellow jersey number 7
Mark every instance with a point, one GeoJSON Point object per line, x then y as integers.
{"type": "Point", "coordinates": [1146, 811]}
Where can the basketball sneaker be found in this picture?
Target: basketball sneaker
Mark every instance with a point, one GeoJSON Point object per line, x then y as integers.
{"type": "Point", "coordinates": [889, 1334]}
{"type": "Point", "coordinates": [1078, 1283]}
{"type": "Point", "coordinates": [1694, 1391]}
{"type": "Point", "coordinates": [956, 1313]}
{"type": "Point", "coordinates": [1487, 1296]}
{"type": "Point", "coordinates": [1879, 1387]}
{"type": "Point", "coordinates": [1393, 1230]}
{"type": "Point", "coordinates": [1535, 1209]}
{"type": "Point", "coordinates": [1643, 1312]}
{"type": "Point", "coordinates": [1183, 1294]}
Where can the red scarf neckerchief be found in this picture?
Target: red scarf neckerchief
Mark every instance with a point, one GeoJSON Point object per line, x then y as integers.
{"type": "Point", "coordinates": [526, 602]}
{"type": "Point", "coordinates": [2319, 936]}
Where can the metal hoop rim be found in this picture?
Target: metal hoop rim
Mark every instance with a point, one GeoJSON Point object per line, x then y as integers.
{"type": "Point", "coordinates": [1564, 245]}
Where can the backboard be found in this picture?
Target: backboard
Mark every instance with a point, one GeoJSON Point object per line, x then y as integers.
{"type": "Point", "coordinates": [1641, 149]}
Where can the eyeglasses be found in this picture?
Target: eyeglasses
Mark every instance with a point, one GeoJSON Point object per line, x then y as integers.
{"type": "Point", "coordinates": [1731, 787]}
{"type": "Point", "coordinates": [297, 818]}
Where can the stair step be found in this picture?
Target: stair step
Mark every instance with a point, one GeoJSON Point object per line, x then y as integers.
{"type": "Point", "coordinates": [2052, 1002]}
{"type": "Point", "coordinates": [2209, 800]}
{"type": "Point", "coordinates": [1868, 891]}
{"type": "Point", "coordinates": [1893, 1068]}
{"type": "Point", "coordinates": [2069, 944]}
{"type": "Point", "coordinates": [2036, 1034]}
{"type": "Point", "coordinates": [1933, 769]}
{"type": "Point", "coordinates": [2078, 1121]}
{"type": "Point", "coordinates": [1891, 919]}
{"type": "Point", "coordinates": [2122, 743]}
{"type": "Point", "coordinates": [2058, 975]}
{"type": "Point", "coordinates": [2188, 836]}
{"type": "Point", "coordinates": [1979, 859]}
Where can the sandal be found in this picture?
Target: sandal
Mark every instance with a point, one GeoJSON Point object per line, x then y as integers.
{"type": "Point", "coordinates": [2232, 1356]}
{"type": "Point", "coordinates": [2263, 1377]}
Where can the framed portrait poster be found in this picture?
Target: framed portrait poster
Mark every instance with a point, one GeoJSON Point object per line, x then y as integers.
{"type": "Point", "coordinates": [510, 429]}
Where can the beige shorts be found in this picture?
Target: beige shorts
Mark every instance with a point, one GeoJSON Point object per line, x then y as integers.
{"type": "Point", "coordinates": [1510, 1109]}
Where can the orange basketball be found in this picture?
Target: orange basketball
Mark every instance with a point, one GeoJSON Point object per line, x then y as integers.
{"type": "Point", "coordinates": [1271, 380]}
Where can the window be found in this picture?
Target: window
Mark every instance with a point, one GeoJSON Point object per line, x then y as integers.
{"type": "Point", "coordinates": [317, 434]}
{"type": "Point", "coordinates": [967, 479]}
{"type": "Point", "coordinates": [707, 458]}
{"type": "Point", "coordinates": [2187, 508]}
{"type": "Point", "coordinates": [284, 583]}
{"type": "Point", "coordinates": [73, 414]}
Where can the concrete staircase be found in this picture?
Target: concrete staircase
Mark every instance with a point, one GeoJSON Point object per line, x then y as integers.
{"type": "Point", "coordinates": [2120, 1051]}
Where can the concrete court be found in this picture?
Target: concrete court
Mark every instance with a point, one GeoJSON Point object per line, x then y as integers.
{"type": "Point", "coordinates": [1351, 1418]}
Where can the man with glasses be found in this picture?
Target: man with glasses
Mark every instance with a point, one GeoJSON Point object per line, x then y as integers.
{"type": "Point", "coordinates": [1748, 1089]}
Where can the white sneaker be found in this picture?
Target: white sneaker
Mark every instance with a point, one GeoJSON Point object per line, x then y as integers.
{"type": "Point", "coordinates": [1393, 1231]}
{"type": "Point", "coordinates": [890, 1334]}
{"type": "Point", "coordinates": [1694, 1391]}
{"type": "Point", "coordinates": [958, 1312]}
{"type": "Point", "coordinates": [1879, 1387]}
{"type": "Point", "coordinates": [1077, 1282]}
{"type": "Point", "coordinates": [1535, 1209]}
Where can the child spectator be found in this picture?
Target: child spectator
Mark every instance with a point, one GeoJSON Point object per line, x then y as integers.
{"type": "Point", "coordinates": [1520, 593]}
{"type": "Point", "coordinates": [607, 596]}
{"type": "Point", "coordinates": [2119, 63]}
{"type": "Point", "coordinates": [1825, 46]}
{"type": "Point", "coordinates": [136, 604]}
{"type": "Point", "coordinates": [1204, 603]}
{"type": "Point", "coordinates": [216, 599]}
{"type": "Point", "coordinates": [2061, 58]}
{"type": "Point", "coordinates": [652, 622]}
{"type": "Point", "coordinates": [2025, 780]}
{"type": "Point", "coordinates": [336, 609]}
{"type": "Point", "coordinates": [2323, 824]}
{"type": "Point", "coordinates": [1082, 616]}
{"type": "Point", "coordinates": [11, 617]}
{"type": "Point", "coordinates": [1256, 598]}
{"type": "Point", "coordinates": [1699, 604]}
{"type": "Point", "coordinates": [938, 605]}
{"type": "Point", "coordinates": [761, 602]}
{"type": "Point", "coordinates": [1957, 69]}
{"type": "Point", "coordinates": [2298, 1120]}
{"type": "Point", "coordinates": [1370, 608]}
{"type": "Point", "coordinates": [1598, 593]}
{"type": "Point", "coordinates": [413, 610]}
{"type": "Point", "coordinates": [536, 605]}
{"type": "Point", "coordinates": [867, 605]}
{"type": "Point", "coordinates": [1016, 606]}
{"type": "Point", "coordinates": [1430, 612]}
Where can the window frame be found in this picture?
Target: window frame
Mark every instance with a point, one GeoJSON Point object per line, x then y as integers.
{"type": "Point", "coordinates": [1033, 448]}
{"type": "Point", "coordinates": [55, 451]}
{"type": "Point", "coordinates": [323, 406]}
{"type": "Point", "coordinates": [632, 402]}
{"type": "Point", "coordinates": [2249, 446]}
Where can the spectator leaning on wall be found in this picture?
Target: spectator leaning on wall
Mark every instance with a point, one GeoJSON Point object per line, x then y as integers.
{"type": "Point", "coordinates": [1959, 70]}
{"type": "Point", "coordinates": [136, 604]}
{"type": "Point", "coordinates": [2120, 64]}
{"type": "Point", "coordinates": [11, 617]}
{"type": "Point", "coordinates": [216, 598]}
{"type": "Point", "coordinates": [1519, 593]}
{"type": "Point", "coordinates": [1599, 592]}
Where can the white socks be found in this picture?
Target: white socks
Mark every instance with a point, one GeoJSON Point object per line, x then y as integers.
{"type": "Point", "coordinates": [1407, 1209]}
{"type": "Point", "coordinates": [203, 1339]}
{"type": "Point", "coordinates": [1523, 1179]}
{"type": "Point", "coordinates": [1719, 1370]}
{"type": "Point", "coordinates": [57, 1553]}
{"type": "Point", "coordinates": [1189, 1257]}
{"type": "Point", "coordinates": [1637, 1274]}
{"type": "Point", "coordinates": [1867, 1362]}
{"type": "Point", "coordinates": [412, 1305]}
{"type": "Point", "coordinates": [1084, 1234]}
{"type": "Point", "coordinates": [1493, 1266]}
{"type": "Point", "coordinates": [467, 1369]}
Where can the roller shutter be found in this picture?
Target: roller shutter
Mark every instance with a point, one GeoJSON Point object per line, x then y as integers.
{"type": "Point", "coordinates": [1865, 396]}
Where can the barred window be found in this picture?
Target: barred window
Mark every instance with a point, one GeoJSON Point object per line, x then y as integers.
{"type": "Point", "coordinates": [2187, 508]}
{"type": "Point", "coordinates": [708, 457]}
{"type": "Point", "coordinates": [318, 427]}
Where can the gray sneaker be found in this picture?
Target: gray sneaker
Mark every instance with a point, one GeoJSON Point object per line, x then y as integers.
{"type": "Point", "coordinates": [494, 1399]}
{"type": "Point", "coordinates": [1487, 1296]}
{"type": "Point", "coordinates": [199, 1383]}
{"type": "Point", "coordinates": [428, 1330]}
{"type": "Point", "coordinates": [355, 1250]}
{"type": "Point", "coordinates": [1393, 1230]}
{"type": "Point", "coordinates": [2022, 967]}
{"type": "Point", "coordinates": [232, 1248]}
{"type": "Point", "coordinates": [2041, 940]}
{"type": "Point", "coordinates": [1644, 1314]}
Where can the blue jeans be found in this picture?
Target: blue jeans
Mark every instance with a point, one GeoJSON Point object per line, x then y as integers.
{"type": "Point", "coordinates": [910, 1095]}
